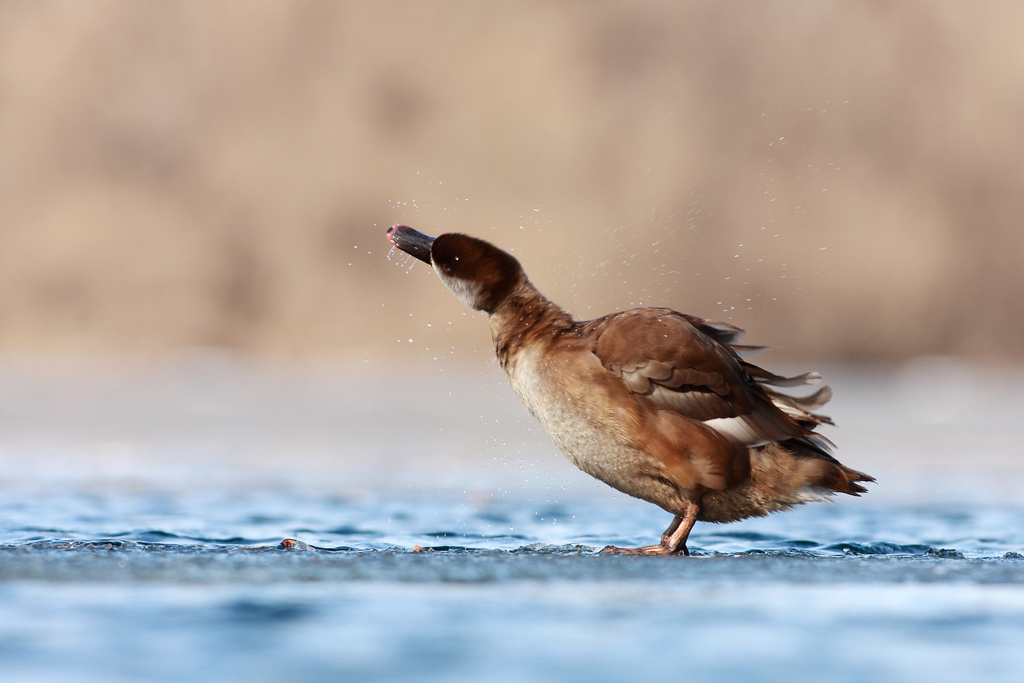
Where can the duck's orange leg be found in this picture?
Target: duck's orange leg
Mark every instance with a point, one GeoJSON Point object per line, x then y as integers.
{"type": "Point", "coordinates": [673, 541]}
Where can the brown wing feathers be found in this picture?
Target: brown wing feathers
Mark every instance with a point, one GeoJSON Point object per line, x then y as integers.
{"type": "Point", "coordinates": [689, 365]}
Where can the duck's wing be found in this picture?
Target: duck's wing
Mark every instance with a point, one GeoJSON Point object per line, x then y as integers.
{"type": "Point", "coordinates": [686, 365]}
{"type": "Point", "coordinates": [798, 408]}
{"type": "Point", "coordinates": [723, 333]}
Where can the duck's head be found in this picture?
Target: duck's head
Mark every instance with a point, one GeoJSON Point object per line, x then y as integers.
{"type": "Point", "coordinates": [477, 272]}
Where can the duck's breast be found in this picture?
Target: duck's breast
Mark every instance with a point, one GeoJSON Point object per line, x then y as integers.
{"type": "Point", "coordinates": [581, 416]}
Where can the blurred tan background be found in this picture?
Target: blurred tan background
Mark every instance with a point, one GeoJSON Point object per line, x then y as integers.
{"type": "Point", "coordinates": [845, 179]}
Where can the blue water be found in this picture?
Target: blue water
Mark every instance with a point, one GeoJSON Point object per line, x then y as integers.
{"type": "Point", "coordinates": [142, 519]}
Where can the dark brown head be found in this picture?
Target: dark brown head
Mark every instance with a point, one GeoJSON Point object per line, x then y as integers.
{"type": "Point", "coordinates": [477, 272]}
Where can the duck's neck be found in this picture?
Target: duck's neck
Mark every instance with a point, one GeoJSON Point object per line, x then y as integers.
{"type": "Point", "coordinates": [524, 318]}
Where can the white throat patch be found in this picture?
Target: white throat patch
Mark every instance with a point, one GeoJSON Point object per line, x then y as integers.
{"type": "Point", "coordinates": [466, 291]}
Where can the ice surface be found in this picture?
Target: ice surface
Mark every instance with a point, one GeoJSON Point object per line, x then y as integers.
{"type": "Point", "coordinates": [142, 512]}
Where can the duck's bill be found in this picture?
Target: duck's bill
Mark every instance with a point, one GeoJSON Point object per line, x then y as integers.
{"type": "Point", "coordinates": [410, 241]}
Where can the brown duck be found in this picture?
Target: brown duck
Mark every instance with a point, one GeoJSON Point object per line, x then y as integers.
{"type": "Point", "coordinates": [655, 403]}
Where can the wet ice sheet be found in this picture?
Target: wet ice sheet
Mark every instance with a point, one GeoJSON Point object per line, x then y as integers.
{"type": "Point", "coordinates": [213, 520]}
{"type": "Point", "coordinates": [129, 586]}
{"type": "Point", "coordinates": [121, 562]}
{"type": "Point", "coordinates": [557, 630]}
{"type": "Point", "coordinates": [141, 515]}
